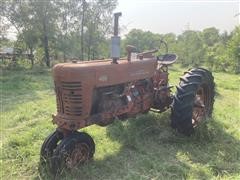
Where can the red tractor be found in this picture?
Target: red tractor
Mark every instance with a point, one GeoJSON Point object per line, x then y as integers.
{"type": "Point", "coordinates": [101, 91]}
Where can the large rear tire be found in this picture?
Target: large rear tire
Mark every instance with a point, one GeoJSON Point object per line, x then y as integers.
{"type": "Point", "coordinates": [193, 101]}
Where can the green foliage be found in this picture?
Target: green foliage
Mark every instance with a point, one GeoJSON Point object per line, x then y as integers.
{"type": "Point", "coordinates": [141, 148]}
{"type": "Point", "coordinates": [63, 30]}
{"type": "Point", "coordinates": [191, 52]}
{"type": "Point", "coordinates": [4, 42]}
{"type": "Point", "coordinates": [233, 50]}
{"type": "Point", "coordinates": [142, 40]}
{"type": "Point", "coordinates": [210, 36]}
{"type": "Point", "coordinates": [194, 48]}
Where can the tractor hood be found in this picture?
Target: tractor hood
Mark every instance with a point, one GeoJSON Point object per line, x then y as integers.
{"type": "Point", "coordinates": [103, 72]}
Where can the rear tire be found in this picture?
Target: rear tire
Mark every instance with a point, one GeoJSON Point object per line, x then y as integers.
{"type": "Point", "coordinates": [193, 101]}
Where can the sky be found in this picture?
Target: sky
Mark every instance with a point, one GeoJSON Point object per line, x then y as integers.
{"type": "Point", "coordinates": [164, 16]}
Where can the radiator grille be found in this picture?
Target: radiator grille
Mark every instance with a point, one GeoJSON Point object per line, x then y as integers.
{"type": "Point", "coordinates": [70, 100]}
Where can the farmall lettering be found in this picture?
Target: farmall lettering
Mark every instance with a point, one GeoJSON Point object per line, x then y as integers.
{"type": "Point", "coordinates": [101, 91]}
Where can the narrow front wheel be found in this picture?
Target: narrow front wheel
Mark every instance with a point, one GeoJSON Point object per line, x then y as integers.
{"type": "Point", "coordinates": [76, 149]}
{"type": "Point", "coordinates": [49, 145]}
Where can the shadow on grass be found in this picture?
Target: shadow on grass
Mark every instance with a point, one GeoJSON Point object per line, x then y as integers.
{"type": "Point", "coordinates": [150, 149]}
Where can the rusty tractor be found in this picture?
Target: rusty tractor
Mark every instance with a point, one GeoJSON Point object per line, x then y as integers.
{"type": "Point", "coordinates": [101, 91]}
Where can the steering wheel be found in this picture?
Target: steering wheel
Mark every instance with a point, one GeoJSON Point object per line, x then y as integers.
{"type": "Point", "coordinates": [166, 58]}
{"type": "Point", "coordinates": [164, 44]}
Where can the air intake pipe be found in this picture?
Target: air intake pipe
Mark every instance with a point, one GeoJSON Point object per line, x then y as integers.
{"type": "Point", "coordinates": [115, 40]}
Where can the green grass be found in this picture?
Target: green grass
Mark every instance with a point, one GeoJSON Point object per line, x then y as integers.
{"type": "Point", "coordinates": [141, 148]}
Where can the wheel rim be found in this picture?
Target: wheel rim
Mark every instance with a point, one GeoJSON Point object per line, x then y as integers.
{"type": "Point", "coordinates": [201, 104]}
{"type": "Point", "coordinates": [79, 154]}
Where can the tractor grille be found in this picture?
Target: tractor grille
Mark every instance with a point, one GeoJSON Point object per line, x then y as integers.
{"type": "Point", "coordinates": [59, 100]}
{"type": "Point", "coordinates": [69, 100]}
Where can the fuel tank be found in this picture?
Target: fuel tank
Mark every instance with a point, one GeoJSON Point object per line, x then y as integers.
{"type": "Point", "coordinates": [75, 82]}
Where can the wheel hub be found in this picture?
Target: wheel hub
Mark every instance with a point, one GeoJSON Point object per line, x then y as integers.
{"type": "Point", "coordinates": [78, 155]}
{"type": "Point", "coordinates": [199, 109]}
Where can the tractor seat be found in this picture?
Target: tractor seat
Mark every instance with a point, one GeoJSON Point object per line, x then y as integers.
{"type": "Point", "coordinates": [167, 59]}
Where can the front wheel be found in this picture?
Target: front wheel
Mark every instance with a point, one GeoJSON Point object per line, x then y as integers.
{"type": "Point", "coordinates": [76, 149]}
{"type": "Point", "coordinates": [193, 101]}
{"type": "Point", "coordinates": [49, 146]}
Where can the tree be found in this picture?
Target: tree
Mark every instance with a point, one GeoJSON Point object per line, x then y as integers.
{"type": "Point", "coordinates": [233, 50]}
{"type": "Point", "coordinates": [210, 36]}
{"type": "Point", "coordinates": [98, 25]}
{"type": "Point", "coordinates": [171, 40]}
{"type": "Point", "coordinates": [142, 40]}
{"type": "Point", "coordinates": [86, 25]}
{"type": "Point", "coordinates": [190, 48]}
{"type": "Point", "coordinates": [18, 14]}
{"type": "Point", "coordinates": [74, 28]}
{"type": "Point", "coordinates": [32, 18]}
{"type": "Point", "coordinates": [44, 14]}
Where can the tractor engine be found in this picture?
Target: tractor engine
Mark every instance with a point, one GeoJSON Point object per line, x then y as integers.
{"type": "Point", "coordinates": [135, 97]}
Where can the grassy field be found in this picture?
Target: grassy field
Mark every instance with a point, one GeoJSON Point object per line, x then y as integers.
{"type": "Point", "coordinates": [141, 148]}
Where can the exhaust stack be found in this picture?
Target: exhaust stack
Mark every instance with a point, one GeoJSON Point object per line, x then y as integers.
{"type": "Point", "coordinates": [115, 40]}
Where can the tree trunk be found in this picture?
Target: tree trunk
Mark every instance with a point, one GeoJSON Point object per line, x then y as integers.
{"type": "Point", "coordinates": [64, 56]}
{"type": "Point", "coordinates": [89, 46]}
{"type": "Point", "coordinates": [31, 57]}
{"type": "Point", "coordinates": [89, 52]}
{"type": "Point", "coordinates": [45, 43]}
{"type": "Point", "coordinates": [14, 60]}
{"type": "Point", "coordinates": [93, 55]}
